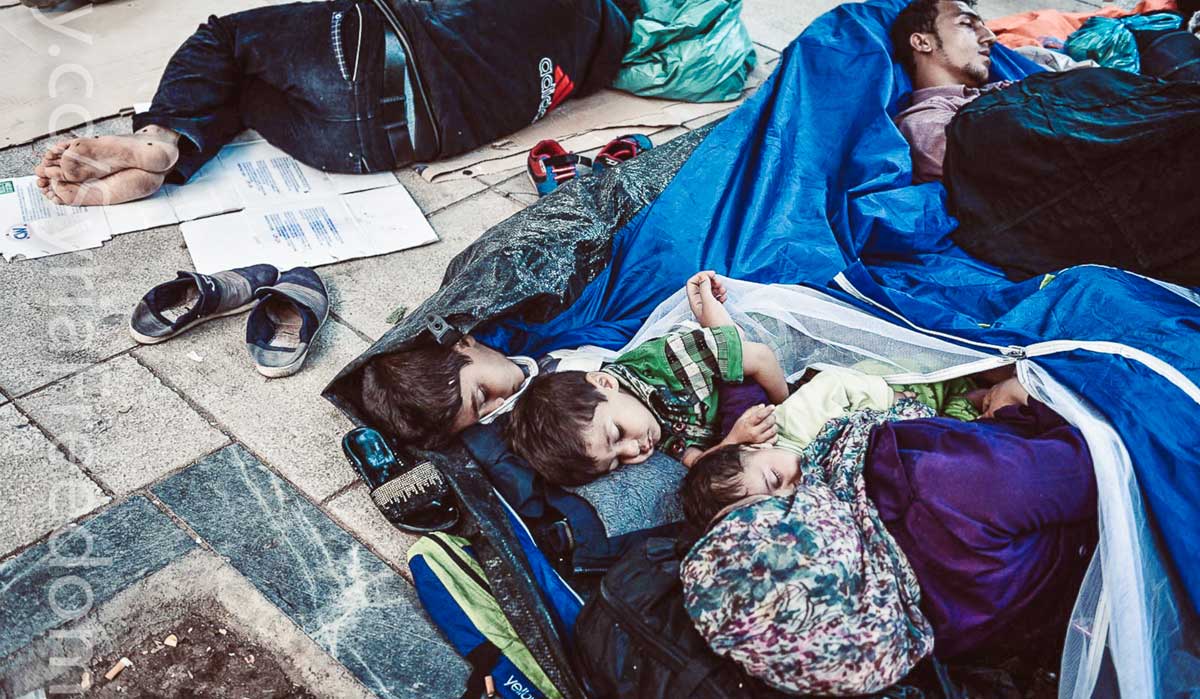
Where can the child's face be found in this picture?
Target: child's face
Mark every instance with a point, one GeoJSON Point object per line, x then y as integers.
{"type": "Point", "coordinates": [486, 382]}
{"type": "Point", "coordinates": [769, 471]}
{"type": "Point", "coordinates": [623, 431]}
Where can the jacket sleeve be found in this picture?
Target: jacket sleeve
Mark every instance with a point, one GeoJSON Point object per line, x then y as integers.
{"type": "Point", "coordinates": [831, 393]}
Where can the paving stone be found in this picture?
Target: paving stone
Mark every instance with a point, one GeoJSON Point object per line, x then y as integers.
{"type": "Point", "coordinates": [18, 161]}
{"type": "Point", "coordinates": [518, 189]}
{"type": "Point", "coordinates": [61, 579]}
{"type": "Point", "coordinates": [992, 9]}
{"type": "Point", "coordinates": [67, 312]}
{"type": "Point", "coordinates": [112, 126]}
{"type": "Point", "coordinates": [498, 177]}
{"type": "Point", "coordinates": [433, 197]}
{"type": "Point", "coordinates": [286, 421]}
{"type": "Point", "coordinates": [766, 55]}
{"type": "Point", "coordinates": [365, 292]}
{"type": "Point", "coordinates": [39, 489]}
{"type": "Point", "coordinates": [357, 513]}
{"type": "Point", "coordinates": [339, 593]}
{"type": "Point", "coordinates": [774, 23]}
{"type": "Point", "coordinates": [198, 583]}
{"type": "Point", "coordinates": [123, 424]}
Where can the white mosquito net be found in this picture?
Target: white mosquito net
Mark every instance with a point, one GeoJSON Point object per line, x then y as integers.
{"type": "Point", "coordinates": [1126, 604]}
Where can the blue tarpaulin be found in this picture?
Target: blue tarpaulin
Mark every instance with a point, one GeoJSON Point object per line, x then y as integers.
{"type": "Point", "coordinates": [810, 180]}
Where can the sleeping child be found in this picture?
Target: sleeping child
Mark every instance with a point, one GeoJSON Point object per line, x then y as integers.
{"type": "Point", "coordinates": [995, 517]}
{"type": "Point", "coordinates": [734, 472]}
{"type": "Point", "coordinates": [574, 426]}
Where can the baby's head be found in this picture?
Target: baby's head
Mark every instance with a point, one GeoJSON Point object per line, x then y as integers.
{"type": "Point", "coordinates": [425, 396]}
{"type": "Point", "coordinates": [732, 473]}
{"type": "Point", "coordinates": [574, 426]}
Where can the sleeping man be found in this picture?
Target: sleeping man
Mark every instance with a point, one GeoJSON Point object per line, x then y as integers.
{"type": "Point", "coordinates": [350, 86]}
{"type": "Point", "coordinates": [1088, 166]}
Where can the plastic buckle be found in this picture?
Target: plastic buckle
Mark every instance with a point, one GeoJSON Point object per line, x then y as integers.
{"type": "Point", "coordinates": [443, 332]}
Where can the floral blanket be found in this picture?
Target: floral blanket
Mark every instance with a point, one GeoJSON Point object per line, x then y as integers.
{"type": "Point", "coordinates": [810, 593]}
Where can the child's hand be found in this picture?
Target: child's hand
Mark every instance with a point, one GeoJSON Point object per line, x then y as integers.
{"type": "Point", "coordinates": [1005, 393]}
{"type": "Point", "coordinates": [755, 426]}
{"type": "Point", "coordinates": [706, 295]}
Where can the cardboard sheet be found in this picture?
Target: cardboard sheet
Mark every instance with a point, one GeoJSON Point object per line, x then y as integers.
{"type": "Point", "coordinates": [580, 125]}
{"type": "Point", "coordinates": [80, 65]}
{"type": "Point", "coordinates": [309, 232]}
{"type": "Point", "coordinates": [251, 176]}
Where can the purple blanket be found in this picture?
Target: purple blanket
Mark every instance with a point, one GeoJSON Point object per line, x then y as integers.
{"type": "Point", "coordinates": [997, 518]}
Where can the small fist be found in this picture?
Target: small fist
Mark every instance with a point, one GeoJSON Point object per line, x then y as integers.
{"type": "Point", "coordinates": [755, 426]}
{"type": "Point", "coordinates": [1003, 394]}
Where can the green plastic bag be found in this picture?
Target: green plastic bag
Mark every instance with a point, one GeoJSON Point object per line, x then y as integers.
{"type": "Point", "coordinates": [1110, 42]}
{"type": "Point", "coordinates": [690, 50]}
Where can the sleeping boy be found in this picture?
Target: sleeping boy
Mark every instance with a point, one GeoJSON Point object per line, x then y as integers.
{"type": "Point", "coordinates": [573, 426]}
{"type": "Point", "coordinates": [427, 395]}
{"type": "Point", "coordinates": [734, 472]}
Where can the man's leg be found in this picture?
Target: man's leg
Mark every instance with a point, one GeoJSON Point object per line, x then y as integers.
{"type": "Point", "coordinates": [324, 107]}
{"type": "Point", "coordinates": [300, 86]}
{"type": "Point", "coordinates": [196, 100]}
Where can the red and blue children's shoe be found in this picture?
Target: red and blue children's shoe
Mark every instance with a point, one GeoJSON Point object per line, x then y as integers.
{"type": "Point", "coordinates": [621, 149]}
{"type": "Point", "coordinates": [550, 165]}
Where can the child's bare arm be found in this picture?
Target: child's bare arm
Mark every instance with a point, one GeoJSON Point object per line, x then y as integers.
{"type": "Point", "coordinates": [755, 426]}
{"type": "Point", "coordinates": [706, 296]}
{"type": "Point", "coordinates": [760, 364]}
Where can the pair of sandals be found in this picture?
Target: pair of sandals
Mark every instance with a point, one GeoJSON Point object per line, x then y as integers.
{"type": "Point", "coordinates": [549, 165]}
{"type": "Point", "coordinates": [286, 311]}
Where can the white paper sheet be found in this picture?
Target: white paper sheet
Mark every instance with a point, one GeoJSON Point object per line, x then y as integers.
{"type": "Point", "coordinates": [263, 174]}
{"type": "Point", "coordinates": [251, 176]}
{"type": "Point", "coordinates": [54, 236]}
{"type": "Point", "coordinates": [313, 232]}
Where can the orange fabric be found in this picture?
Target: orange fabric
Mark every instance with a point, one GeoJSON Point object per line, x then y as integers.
{"type": "Point", "coordinates": [1031, 28]}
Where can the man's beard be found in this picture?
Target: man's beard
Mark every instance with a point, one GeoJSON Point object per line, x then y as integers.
{"type": "Point", "coordinates": [973, 76]}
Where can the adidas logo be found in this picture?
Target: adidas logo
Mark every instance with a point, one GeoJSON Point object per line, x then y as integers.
{"type": "Point", "coordinates": [556, 85]}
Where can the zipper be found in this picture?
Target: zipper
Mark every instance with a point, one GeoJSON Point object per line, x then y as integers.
{"type": "Point", "coordinates": [1158, 366]}
{"type": "Point", "coordinates": [416, 73]}
{"type": "Point", "coordinates": [1014, 353]}
{"type": "Point", "coordinates": [953, 372]}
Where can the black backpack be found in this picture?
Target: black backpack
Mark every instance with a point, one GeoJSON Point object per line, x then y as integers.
{"type": "Point", "coordinates": [634, 638]}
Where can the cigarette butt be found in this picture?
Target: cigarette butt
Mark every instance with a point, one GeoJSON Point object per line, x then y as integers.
{"type": "Point", "coordinates": [489, 685]}
{"type": "Point", "coordinates": [118, 668]}
{"type": "Point", "coordinates": [85, 682]}
{"type": "Point", "coordinates": [171, 641]}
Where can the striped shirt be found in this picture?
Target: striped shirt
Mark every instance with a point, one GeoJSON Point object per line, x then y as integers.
{"type": "Point", "coordinates": [676, 376]}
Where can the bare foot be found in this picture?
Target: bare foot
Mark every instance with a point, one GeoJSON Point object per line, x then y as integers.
{"type": "Point", "coordinates": [95, 158]}
{"type": "Point", "coordinates": [54, 153]}
{"type": "Point", "coordinates": [48, 191]}
{"type": "Point", "coordinates": [123, 186]}
{"type": "Point", "coordinates": [49, 170]}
